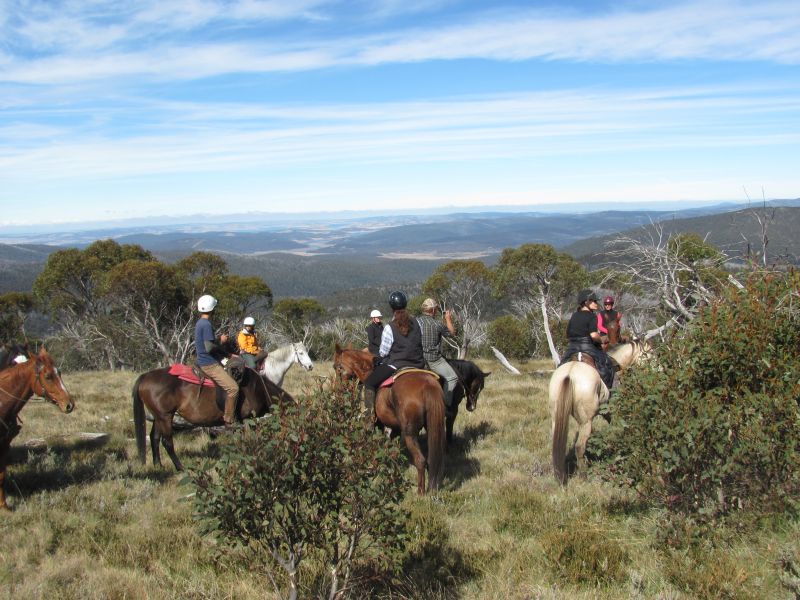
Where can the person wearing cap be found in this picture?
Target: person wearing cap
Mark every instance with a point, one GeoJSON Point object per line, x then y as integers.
{"type": "Point", "coordinates": [583, 336]}
{"type": "Point", "coordinates": [247, 341]}
{"type": "Point", "coordinates": [374, 332]}
{"type": "Point", "coordinates": [432, 333]}
{"type": "Point", "coordinates": [207, 347]}
{"type": "Point", "coordinates": [401, 346]}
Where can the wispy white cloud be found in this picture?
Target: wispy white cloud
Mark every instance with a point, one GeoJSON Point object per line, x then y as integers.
{"type": "Point", "coordinates": [183, 137]}
{"type": "Point", "coordinates": [721, 30]}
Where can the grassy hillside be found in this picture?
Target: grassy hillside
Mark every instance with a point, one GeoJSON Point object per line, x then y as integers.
{"type": "Point", "coordinates": [90, 522]}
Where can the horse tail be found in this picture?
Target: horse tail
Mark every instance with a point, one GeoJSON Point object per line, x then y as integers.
{"type": "Point", "coordinates": [139, 420]}
{"type": "Point", "coordinates": [563, 409]}
{"type": "Point", "coordinates": [437, 439]}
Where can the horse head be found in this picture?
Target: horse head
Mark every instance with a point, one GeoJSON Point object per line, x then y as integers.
{"type": "Point", "coordinates": [351, 364]}
{"type": "Point", "coordinates": [48, 383]}
{"type": "Point", "coordinates": [474, 388]}
{"type": "Point", "coordinates": [301, 356]}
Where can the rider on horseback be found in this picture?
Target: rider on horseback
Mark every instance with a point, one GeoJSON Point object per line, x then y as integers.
{"type": "Point", "coordinates": [247, 341]}
{"type": "Point", "coordinates": [608, 315]}
{"type": "Point", "coordinates": [584, 337]}
{"type": "Point", "coordinates": [374, 332]}
{"type": "Point", "coordinates": [206, 347]}
{"type": "Point", "coordinates": [432, 334]}
{"type": "Point", "coordinates": [401, 346]}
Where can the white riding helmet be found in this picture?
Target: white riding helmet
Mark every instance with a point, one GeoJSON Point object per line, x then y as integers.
{"type": "Point", "coordinates": [249, 321]}
{"type": "Point", "coordinates": [375, 313]}
{"type": "Point", "coordinates": [206, 304]}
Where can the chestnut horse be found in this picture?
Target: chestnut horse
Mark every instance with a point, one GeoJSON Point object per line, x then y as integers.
{"type": "Point", "coordinates": [576, 389]}
{"type": "Point", "coordinates": [164, 395]}
{"type": "Point", "coordinates": [470, 384]}
{"type": "Point", "coordinates": [415, 400]}
{"type": "Point", "coordinates": [17, 384]}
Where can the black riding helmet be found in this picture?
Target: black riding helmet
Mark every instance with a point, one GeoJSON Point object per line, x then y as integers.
{"type": "Point", "coordinates": [398, 300]}
{"type": "Point", "coordinates": [585, 295]}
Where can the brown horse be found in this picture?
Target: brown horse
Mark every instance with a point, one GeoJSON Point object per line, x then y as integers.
{"type": "Point", "coordinates": [415, 400]}
{"type": "Point", "coordinates": [17, 384]}
{"type": "Point", "coordinates": [613, 332]}
{"type": "Point", "coordinates": [164, 395]}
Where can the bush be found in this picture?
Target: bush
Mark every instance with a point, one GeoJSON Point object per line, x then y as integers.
{"type": "Point", "coordinates": [713, 428]}
{"type": "Point", "coordinates": [512, 337]}
{"type": "Point", "coordinates": [313, 480]}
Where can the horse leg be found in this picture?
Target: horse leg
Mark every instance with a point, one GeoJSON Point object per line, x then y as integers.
{"type": "Point", "coordinates": [584, 431]}
{"type": "Point", "coordinates": [155, 443]}
{"type": "Point", "coordinates": [450, 419]}
{"type": "Point", "coordinates": [412, 443]}
{"type": "Point", "coordinates": [3, 505]}
{"type": "Point", "coordinates": [166, 440]}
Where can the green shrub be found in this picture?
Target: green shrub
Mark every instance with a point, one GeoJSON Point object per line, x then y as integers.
{"type": "Point", "coordinates": [313, 480]}
{"type": "Point", "coordinates": [712, 427]}
{"type": "Point", "coordinates": [512, 337]}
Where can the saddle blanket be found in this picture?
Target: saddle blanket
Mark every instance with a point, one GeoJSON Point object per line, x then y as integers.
{"type": "Point", "coordinates": [186, 373]}
{"type": "Point", "coordinates": [401, 372]}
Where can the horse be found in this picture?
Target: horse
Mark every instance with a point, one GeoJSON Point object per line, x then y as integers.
{"type": "Point", "coordinates": [278, 361]}
{"type": "Point", "coordinates": [470, 384]}
{"type": "Point", "coordinates": [415, 400]}
{"type": "Point", "coordinates": [613, 332]}
{"type": "Point", "coordinates": [577, 389]}
{"type": "Point", "coordinates": [18, 383]}
{"type": "Point", "coordinates": [164, 395]}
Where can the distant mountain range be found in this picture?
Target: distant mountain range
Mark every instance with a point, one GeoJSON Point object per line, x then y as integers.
{"type": "Point", "coordinates": [315, 257]}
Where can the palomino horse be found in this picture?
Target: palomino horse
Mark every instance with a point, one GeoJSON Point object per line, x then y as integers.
{"type": "Point", "coordinates": [415, 400]}
{"type": "Point", "coordinates": [576, 389]}
{"type": "Point", "coordinates": [470, 384]}
{"type": "Point", "coordinates": [164, 395]}
{"type": "Point", "coordinates": [278, 361]}
{"type": "Point", "coordinates": [17, 384]}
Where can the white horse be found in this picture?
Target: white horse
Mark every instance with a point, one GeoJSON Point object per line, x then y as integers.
{"type": "Point", "coordinates": [278, 361]}
{"type": "Point", "coordinates": [576, 389]}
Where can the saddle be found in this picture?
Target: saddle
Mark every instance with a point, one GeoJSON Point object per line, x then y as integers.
{"type": "Point", "coordinates": [405, 371]}
{"type": "Point", "coordinates": [584, 358]}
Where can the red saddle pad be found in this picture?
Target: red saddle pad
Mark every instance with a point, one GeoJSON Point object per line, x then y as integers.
{"type": "Point", "coordinates": [185, 373]}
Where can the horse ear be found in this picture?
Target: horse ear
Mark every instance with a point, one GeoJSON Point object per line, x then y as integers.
{"type": "Point", "coordinates": [337, 348]}
{"type": "Point", "coordinates": [486, 374]}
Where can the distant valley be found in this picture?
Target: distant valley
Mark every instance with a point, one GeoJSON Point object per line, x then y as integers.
{"type": "Point", "coordinates": [321, 257]}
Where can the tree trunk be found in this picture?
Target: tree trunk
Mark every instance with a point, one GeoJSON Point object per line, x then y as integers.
{"type": "Point", "coordinates": [547, 333]}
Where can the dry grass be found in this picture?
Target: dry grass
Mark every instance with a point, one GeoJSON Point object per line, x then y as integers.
{"type": "Point", "coordinates": [90, 522]}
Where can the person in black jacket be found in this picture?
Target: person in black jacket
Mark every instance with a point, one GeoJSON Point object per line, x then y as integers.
{"type": "Point", "coordinates": [583, 336]}
{"type": "Point", "coordinates": [374, 332]}
{"type": "Point", "coordinates": [401, 346]}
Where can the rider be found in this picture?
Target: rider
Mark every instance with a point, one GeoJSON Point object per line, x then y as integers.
{"type": "Point", "coordinates": [432, 333]}
{"type": "Point", "coordinates": [584, 337]}
{"type": "Point", "coordinates": [608, 315]}
{"type": "Point", "coordinates": [247, 341]}
{"type": "Point", "coordinates": [206, 346]}
{"type": "Point", "coordinates": [374, 332]}
{"type": "Point", "coordinates": [401, 346]}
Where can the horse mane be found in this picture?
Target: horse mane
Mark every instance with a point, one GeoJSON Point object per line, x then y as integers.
{"type": "Point", "coordinates": [282, 352]}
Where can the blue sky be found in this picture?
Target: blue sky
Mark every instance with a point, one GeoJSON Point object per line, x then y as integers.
{"type": "Point", "coordinates": [110, 110]}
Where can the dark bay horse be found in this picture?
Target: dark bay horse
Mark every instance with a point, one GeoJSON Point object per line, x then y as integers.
{"type": "Point", "coordinates": [470, 384]}
{"type": "Point", "coordinates": [415, 400]}
{"type": "Point", "coordinates": [18, 383]}
{"type": "Point", "coordinates": [164, 395]}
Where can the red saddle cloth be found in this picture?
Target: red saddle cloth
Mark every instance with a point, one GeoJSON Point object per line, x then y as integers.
{"type": "Point", "coordinates": [186, 373]}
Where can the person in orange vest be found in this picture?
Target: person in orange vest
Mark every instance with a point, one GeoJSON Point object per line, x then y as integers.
{"type": "Point", "coordinates": [247, 341]}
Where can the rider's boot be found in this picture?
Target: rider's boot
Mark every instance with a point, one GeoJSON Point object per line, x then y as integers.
{"type": "Point", "coordinates": [230, 409]}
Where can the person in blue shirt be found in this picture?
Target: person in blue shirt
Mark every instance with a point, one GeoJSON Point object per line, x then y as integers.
{"type": "Point", "coordinates": [206, 344]}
